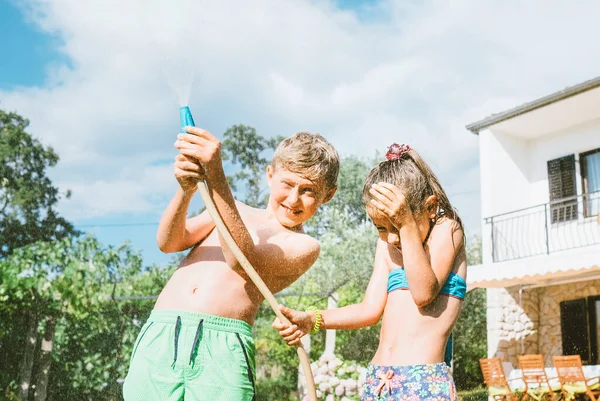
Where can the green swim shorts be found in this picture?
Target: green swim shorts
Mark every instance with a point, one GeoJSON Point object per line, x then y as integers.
{"type": "Point", "coordinates": [187, 356]}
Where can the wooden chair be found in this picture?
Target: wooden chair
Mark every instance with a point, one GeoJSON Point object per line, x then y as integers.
{"type": "Point", "coordinates": [572, 380]}
{"type": "Point", "coordinates": [495, 380]}
{"type": "Point", "coordinates": [537, 384]}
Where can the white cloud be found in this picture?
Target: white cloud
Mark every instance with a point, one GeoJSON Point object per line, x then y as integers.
{"type": "Point", "coordinates": [396, 71]}
{"type": "Point", "coordinates": [133, 191]}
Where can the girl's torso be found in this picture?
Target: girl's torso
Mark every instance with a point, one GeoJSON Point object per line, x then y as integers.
{"type": "Point", "coordinates": [416, 336]}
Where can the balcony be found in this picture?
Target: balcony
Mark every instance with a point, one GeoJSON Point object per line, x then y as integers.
{"type": "Point", "coordinates": [545, 229]}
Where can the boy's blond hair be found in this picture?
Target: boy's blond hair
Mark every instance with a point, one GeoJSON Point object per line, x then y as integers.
{"type": "Point", "coordinates": [309, 155]}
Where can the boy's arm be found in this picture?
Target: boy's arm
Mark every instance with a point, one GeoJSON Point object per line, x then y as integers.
{"type": "Point", "coordinates": [284, 258]}
{"type": "Point", "coordinates": [177, 233]}
{"type": "Point", "coordinates": [426, 277]}
{"type": "Point", "coordinates": [206, 148]}
{"type": "Point", "coordinates": [366, 313]}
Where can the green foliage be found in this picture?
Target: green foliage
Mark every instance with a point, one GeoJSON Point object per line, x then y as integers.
{"type": "Point", "coordinates": [27, 195]}
{"type": "Point", "coordinates": [347, 254]}
{"type": "Point", "coordinates": [276, 362]}
{"type": "Point", "coordinates": [347, 201]}
{"type": "Point", "coordinates": [277, 389]}
{"type": "Point", "coordinates": [470, 332]}
{"type": "Point", "coordinates": [470, 343]}
{"type": "Point", "coordinates": [356, 345]}
{"type": "Point", "coordinates": [474, 256]}
{"type": "Point", "coordinates": [78, 281]}
{"type": "Point", "coordinates": [475, 394]}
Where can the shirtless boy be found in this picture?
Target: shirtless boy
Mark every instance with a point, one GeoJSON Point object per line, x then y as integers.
{"type": "Point", "coordinates": [197, 343]}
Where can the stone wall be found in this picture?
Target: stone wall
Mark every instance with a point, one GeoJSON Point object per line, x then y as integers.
{"type": "Point", "coordinates": [550, 299]}
{"type": "Point", "coordinates": [512, 320]}
{"type": "Point", "coordinates": [529, 322]}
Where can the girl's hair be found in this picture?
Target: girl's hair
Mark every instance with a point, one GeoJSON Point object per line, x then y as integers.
{"type": "Point", "coordinates": [409, 172]}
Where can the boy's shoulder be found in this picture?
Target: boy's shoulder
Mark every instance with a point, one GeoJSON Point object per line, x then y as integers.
{"type": "Point", "coordinates": [269, 230]}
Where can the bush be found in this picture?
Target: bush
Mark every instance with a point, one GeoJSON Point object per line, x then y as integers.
{"type": "Point", "coordinates": [476, 394]}
{"type": "Point", "coordinates": [470, 341]}
{"type": "Point", "coordinates": [278, 389]}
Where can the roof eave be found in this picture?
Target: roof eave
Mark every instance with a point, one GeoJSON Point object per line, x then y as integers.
{"type": "Point", "coordinates": [536, 104]}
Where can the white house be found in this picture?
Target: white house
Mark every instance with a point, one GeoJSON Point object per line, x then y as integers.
{"type": "Point", "coordinates": [540, 203]}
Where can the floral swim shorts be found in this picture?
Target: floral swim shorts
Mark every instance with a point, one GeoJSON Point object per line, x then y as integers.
{"type": "Point", "coordinates": [413, 383]}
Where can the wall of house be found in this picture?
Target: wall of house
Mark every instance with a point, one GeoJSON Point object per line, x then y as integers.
{"type": "Point", "coordinates": [503, 172]}
{"type": "Point", "coordinates": [514, 179]}
{"type": "Point", "coordinates": [576, 140]}
{"type": "Point", "coordinates": [529, 322]}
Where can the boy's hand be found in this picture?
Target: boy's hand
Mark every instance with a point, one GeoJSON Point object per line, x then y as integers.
{"type": "Point", "coordinates": [202, 146]}
{"type": "Point", "coordinates": [301, 324]}
{"type": "Point", "coordinates": [390, 201]}
{"type": "Point", "coordinates": [188, 172]}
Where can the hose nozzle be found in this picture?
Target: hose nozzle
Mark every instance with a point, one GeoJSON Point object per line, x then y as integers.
{"type": "Point", "coordinates": [185, 118]}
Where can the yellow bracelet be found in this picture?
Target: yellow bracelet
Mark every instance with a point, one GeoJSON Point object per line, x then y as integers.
{"type": "Point", "coordinates": [318, 319]}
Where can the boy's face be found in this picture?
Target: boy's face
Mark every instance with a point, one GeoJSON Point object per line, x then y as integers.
{"type": "Point", "coordinates": [295, 199]}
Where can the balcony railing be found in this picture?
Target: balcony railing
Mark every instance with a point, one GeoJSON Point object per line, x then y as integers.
{"type": "Point", "coordinates": [552, 227]}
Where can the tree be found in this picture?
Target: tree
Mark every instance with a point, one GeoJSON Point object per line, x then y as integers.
{"type": "Point", "coordinates": [27, 196]}
{"type": "Point", "coordinates": [470, 343]}
{"type": "Point", "coordinates": [65, 292]}
{"type": "Point", "coordinates": [347, 201]}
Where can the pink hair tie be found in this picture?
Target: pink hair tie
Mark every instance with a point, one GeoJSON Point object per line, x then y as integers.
{"type": "Point", "coordinates": [396, 151]}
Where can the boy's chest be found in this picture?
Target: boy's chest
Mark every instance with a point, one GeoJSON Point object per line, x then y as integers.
{"type": "Point", "coordinates": [260, 234]}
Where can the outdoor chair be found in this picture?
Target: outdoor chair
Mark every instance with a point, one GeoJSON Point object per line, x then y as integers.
{"type": "Point", "coordinates": [572, 379]}
{"type": "Point", "coordinates": [495, 380]}
{"type": "Point", "coordinates": [537, 383]}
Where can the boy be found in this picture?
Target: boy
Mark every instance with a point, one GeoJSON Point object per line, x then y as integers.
{"type": "Point", "coordinates": [197, 343]}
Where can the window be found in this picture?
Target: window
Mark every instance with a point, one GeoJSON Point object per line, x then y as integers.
{"type": "Point", "coordinates": [575, 329]}
{"type": "Point", "coordinates": [590, 177]}
{"type": "Point", "coordinates": [562, 185]}
{"type": "Point", "coordinates": [594, 314]}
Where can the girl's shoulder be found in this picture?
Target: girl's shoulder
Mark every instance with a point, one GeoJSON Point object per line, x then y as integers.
{"type": "Point", "coordinates": [448, 223]}
{"type": "Point", "coordinates": [445, 229]}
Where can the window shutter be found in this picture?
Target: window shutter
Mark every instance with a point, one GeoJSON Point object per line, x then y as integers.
{"type": "Point", "coordinates": [562, 184]}
{"type": "Point", "coordinates": [575, 330]}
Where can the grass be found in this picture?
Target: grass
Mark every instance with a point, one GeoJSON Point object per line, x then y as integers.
{"type": "Point", "coordinates": [476, 394]}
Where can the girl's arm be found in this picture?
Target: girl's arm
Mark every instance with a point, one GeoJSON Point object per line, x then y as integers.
{"type": "Point", "coordinates": [366, 313]}
{"type": "Point", "coordinates": [426, 276]}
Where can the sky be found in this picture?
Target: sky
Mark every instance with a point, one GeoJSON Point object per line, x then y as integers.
{"type": "Point", "coordinates": [101, 82]}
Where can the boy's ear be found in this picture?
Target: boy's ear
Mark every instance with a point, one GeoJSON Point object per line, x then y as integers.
{"type": "Point", "coordinates": [330, 194]}
{"type": "Point", "coordinates": [269, 175]}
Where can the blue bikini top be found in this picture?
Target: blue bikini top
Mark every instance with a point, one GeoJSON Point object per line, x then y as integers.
{"type": "Point", "coordinates": [455, 286]}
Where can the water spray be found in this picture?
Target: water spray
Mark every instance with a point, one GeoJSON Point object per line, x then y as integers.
{"type": "Point", "coordinates": [185, 120]}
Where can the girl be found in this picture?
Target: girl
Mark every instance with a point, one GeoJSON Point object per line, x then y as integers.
{"type": "Point", "coordinates": [418, 283]}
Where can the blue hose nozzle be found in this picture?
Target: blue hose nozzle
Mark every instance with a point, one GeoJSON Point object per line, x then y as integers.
{"type": "Point", "coordinates": [185, 118]}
